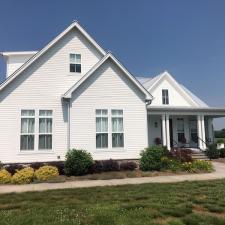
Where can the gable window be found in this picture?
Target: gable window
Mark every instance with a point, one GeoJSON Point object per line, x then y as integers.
{"type": "Point", "coordinates": [101, 128]}
{"type": "Point", "coordinates": [45, 129]}
{"type": "Point", "coordinates": [117, 129]}
{"type": "Point", "coordinates": [27, 130]}
{"type": "Point", "coordinates": [165, 97]}
{"type": "Point", "coordinates": [75, 63]}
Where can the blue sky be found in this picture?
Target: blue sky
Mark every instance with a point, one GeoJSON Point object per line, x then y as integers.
{"type": "Point", "coordinates": [186, 38]}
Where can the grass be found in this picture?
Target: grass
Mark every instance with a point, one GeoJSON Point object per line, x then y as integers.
{"type": "Point", "coordinates": [189, 203]}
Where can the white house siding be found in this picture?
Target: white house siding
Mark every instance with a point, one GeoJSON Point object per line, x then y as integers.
{"type": "Point", "coordinates": [40, 87]}
{"type": "Point", "coordinates": [108, 88]}
{"type": "Point", "coordinates": [175, 97]}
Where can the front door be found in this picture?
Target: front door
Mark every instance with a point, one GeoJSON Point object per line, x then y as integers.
{"type": "Point", "coordinates": [193, 133]}
{"type": "Point", "coordinates": [171, 132]}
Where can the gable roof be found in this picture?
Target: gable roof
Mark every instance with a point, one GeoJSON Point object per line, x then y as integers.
{"type": "Point", "coordinates": [97, 65]}
{"type": "Point", "coordinates": [74, 24]}
{"type": "Point", "coordinates": [152, 83]}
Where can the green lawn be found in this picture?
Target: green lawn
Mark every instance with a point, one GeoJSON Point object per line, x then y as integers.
{"type": "Point", "coordinates": [183, 203]}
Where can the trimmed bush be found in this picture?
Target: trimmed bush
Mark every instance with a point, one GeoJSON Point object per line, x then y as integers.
{"type": "Point", "coordinates": [78, 162]}
{"type": "Point", "coordinates": [128, 165]}
{"type": "Point", "coordinates": [5, 176]}
{"type": "Point", "coordinates": [170, 164]}
{"type": "Point", "coordinates": [24, 176]}
{"type": "Point", "coordinates": [197, 166]}
{"type": "Point", "coordinates": [60, 165]}
{"type": "Point", "coordinates": [151, 158]}
{"type": "Point", "coordinates": [222, 153]}
{"type": "Point", "coordinates": [46, 172]}
{"type": "Point", "coordinates": [212, 152]}
{"type": "Point", "coordinates": [12, 168]}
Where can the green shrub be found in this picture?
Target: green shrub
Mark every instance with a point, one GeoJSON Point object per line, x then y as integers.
{"type": "Point", "coordinates": [5, 176]}
{"type": "Point", "coordinates": [170, 164]}
{"type": "Point", "coordinates": [46, 172]}
{"type": "Point", "coordinates": [220, 141]}
{"type": "Point", "coordinates": [197, 166]}
{"type": "Point", "coordinates": [212, 152]}
{"type": "Point", "coordinates": [78, 162]}
{"type": "Point", "coordinates": [24, 176]}
{"type": "Point", "coordinates": [222, 153]}
{"type": "Point", "coordinates": [151, 158]}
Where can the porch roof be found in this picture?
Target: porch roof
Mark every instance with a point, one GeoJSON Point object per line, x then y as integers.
{"type": "Point", "coordinates": [174, 110]}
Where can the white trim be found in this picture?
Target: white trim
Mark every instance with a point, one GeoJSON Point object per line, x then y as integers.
{"type": "Point", "coordinates": [6, 54]}
{"type": "Point", "coordinates": [47, 47]}
{"type": "Point", "coordinates": [164, 129]}
{"type": "Point", "coordinates": [68, 94]}
{"type": "Point", "coordinates": [167, 132]}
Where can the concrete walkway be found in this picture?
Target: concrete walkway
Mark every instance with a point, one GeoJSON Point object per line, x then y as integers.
{"type": "Point", "coordinates": [219, 173]}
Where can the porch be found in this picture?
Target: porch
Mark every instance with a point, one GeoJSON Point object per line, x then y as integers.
{"type": "Point", "coordinates": [182, 127]}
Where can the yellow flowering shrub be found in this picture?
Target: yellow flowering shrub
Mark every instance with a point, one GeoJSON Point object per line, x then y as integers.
{"type": "Point", "coordinates": [24, 176]}
{"type": "Point", "coordinates": [5, 176]}
{"type": "Point", "coordinates": [46, 172]}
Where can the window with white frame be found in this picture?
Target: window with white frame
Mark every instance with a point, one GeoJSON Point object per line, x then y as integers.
{"type": "Point", "coordinates": [27, 130]}
{"type": "Point", "coordinates": [45, 130]}
{"type": "Point", "coordinates": [75, 63]}
{"type": "Point", "coordinates": [117, 128]}
{"type": "Point", "coordinates": [165, 97]}
{"type": "Point", "coordinates": [101, 128]}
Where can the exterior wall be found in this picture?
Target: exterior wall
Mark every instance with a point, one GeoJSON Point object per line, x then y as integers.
{"type": "Point", "coordinates": [175, 98]}
{"type": "Point", "coordinates": [154, 128]}
{"type": "Point", "coordinates": [108, 89]}
{"type": "Point", "coordinates": [40, 87]}
{"type": "Point", "coordinates": [14, 62]}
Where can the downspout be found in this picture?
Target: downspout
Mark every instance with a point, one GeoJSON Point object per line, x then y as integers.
{"type": "Point", "coordinates": [68, 122]}
{"type": "Point", "coordinates": [147, 102]}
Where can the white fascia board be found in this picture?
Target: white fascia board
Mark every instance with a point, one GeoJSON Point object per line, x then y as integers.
{"type": "Point", "coordinates": [97, 65]}
{"type": "Point", "coordinates": [49, 45]}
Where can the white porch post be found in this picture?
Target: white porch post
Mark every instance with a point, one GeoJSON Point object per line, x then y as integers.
{"type": "Point", "coordinates": [199, 126]}
{"type": "Point", "coordinates": [164, 129]}
{"type": "Point", "coordinates": [167, 132]}
{"type": "Point", "coordinates": [203, 132]}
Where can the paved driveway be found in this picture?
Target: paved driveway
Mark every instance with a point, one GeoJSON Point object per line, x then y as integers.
{"type": "Point", "coordinates": [219, 173]}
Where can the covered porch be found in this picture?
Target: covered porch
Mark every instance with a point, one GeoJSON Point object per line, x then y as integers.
{"type": "Point", "coordinates": [182, 126]}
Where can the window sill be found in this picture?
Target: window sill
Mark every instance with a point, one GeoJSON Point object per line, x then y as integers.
{"type": "Point", "coordinates": [109, 150]}
{"type": "Point", "coordinates": [74, 73]}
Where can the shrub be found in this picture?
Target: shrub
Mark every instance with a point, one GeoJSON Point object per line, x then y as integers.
{"type": "Point", "coordinates": [12, 168]}
{"type": "Point", "coordinates": [182, 155]}
{"type": "Point", "coordinates": [220, 141]}
{"type": "Point", "coordinates": [46, 172]}
{"type": "Point", "coordinates": [23, 176]}
{"type": "Point", "coordinates": [212, 152]}
{"type": "Point", "coordinates": [5, 176]}
{"type": "Point", "coordinates": [151, 158]}
{"type": "Point", "coordinates": [78, 162]}
{"type": "Point", "coordinates": [222, 153]}
{"type": "Point", "coordinates": [60, 166]}
{"type": "Point", "coordinates": [170, 164]}
{"type": "Point", "coordinates": [198, 165]}
{"type": "Point", "coordinates": [128, 165]}
{"type": "Point", "coordinates": [104, 166]}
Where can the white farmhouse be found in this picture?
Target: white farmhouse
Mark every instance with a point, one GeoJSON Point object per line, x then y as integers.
{"type": "Point", "coordinates": [74, 94]}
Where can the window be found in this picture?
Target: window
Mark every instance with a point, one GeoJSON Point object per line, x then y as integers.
{"type": "Point", "coordinates": [101, 128]}
{"type": "Point", "coordinates": [75, 63]}
{"type": "Point", "coordinates": [117, 129]}
{"type": "Point", "coordinates": [165, 97]}
{"type": "Point", "coordinates": [180, 130]}
{"type": "Point", "coordinates": [27, 130]}
{"type": "Point", "coordinates": [45, 129]}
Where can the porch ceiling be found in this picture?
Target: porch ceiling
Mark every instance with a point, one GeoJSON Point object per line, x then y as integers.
{"type": "Point", "coordinates": [208, 111]}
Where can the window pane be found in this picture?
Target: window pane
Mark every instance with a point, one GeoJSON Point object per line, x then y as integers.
{"type": "Point", "coordinates": [120, 125]}
{"type": "Point", "coordinates": [72, 68]}
{"type": "Point", "coordinates": [42, 125]}
{"type": "Point", "coordinates": [78, 58]}
{"type": "Point", "coordinates": [98, 124]}
{"type": "Point", "coordinates": [78, 68]}
{"type": "Point", "coordinates": [49, 125]}
{"type": "Point", "coordinates": [104, 122]}
{"type": "Point", "coordinates": [72, 58]}
{"type": "Point", "coordinates": [98, 111]}
{"type": "Point", "coordinates": [27, 112]}
{"type": "Point", "coordinates": [104, 111]}
{"type": "Point", "coordinates": [117, 140]}
{"type": "Point", "coordinates": [45, 112]}
{"type": "Point", "coordinates": [27, 142]}
{"type": "Point", "coordinates": [101, 140]}
{"type": "Point", "coordinates": [24, 125]}
{"type": "Point", "coordinates": [31, 125]}
{"type": "Point", "coordinates": [117, 112]}
{"type": "Point", "coordinates": [114, 124]}
{"type": "Point", "coordinates": [45, 141]}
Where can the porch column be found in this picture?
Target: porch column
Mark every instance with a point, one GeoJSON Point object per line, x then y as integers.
{"type": "Point", "coordinates": [210, 130]}
{"type": "Point", "coordinates": [203, 132]}
{"type": "Point", "coordinates": [167, 132]}
{"type": "Point", "coordinates": [199, 126]}
{"type": "Point", "coordinates": [164, 129]}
